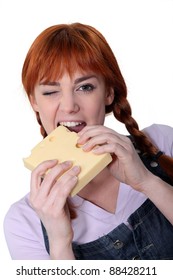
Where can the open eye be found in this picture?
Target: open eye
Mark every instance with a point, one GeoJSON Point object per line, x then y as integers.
{"type": "Point", "coordinates": [86, 88]}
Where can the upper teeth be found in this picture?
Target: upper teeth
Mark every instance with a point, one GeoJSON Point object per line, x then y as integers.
{"type": "Point", "coordinates": [69, 124]}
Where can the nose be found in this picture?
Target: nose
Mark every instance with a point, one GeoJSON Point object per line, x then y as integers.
{"type": "Point", "coordinates": [68, 104]}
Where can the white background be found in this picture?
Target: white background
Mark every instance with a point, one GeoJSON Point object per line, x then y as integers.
{"type": "Point", "coordinates": [140, 33]}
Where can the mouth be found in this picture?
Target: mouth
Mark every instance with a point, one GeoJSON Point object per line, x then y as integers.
{"type": "Point", "coordinates": [73, 126]}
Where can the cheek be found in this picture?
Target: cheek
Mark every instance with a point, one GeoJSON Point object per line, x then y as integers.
{"type": "Point", "coordinates": [47, 110]}
{"type": "Point", "coordinates": [47, 117]}
{"type": "Point", "coordinates": [96, 111]}
{"type": "Point", "coordinates": [44, 114]}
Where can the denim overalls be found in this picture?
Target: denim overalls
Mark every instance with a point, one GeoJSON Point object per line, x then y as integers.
{"type": "Point", "coordinates": [150, 236]}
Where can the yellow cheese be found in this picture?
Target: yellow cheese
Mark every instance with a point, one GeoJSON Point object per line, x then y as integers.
{"type": "Point", "coordinates": [61, 144]}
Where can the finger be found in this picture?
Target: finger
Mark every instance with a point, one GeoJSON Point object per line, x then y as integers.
{"type": "Point", "coordinates": [90, 131]}
{"type": "Point", "coordinates": [64, 192]}
{"type": "Point", "coordinates": [118, 149]}
{"type": "Point", "coordinates": [80, 133]}
{"type": "Point", "coordinates": [38, 173]}
{"type": "Point", "coordinates": [106, 138]}
{"type": "Point", "coordinates": [51, 177]}
{"type": "Point", "coordinates": [62, 188]}
{"type": "Point", "coordinates": [85, 133]}
{"type": "Point", "coordinates": [57, 198]}
{"type": "Point", "coordinates": [61, 183]}
{"type": "Point", "coordinates": [99, 139]}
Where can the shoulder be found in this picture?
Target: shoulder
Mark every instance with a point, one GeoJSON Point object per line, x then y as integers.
{"type": "Point", "coordinates": [162, 136]}
{"type": "Point", "coordinates": [23, 231]}
{"type": "Point", "coordinates": [159, 129]}
{"type": "Point", "coordinates": [20, 211]}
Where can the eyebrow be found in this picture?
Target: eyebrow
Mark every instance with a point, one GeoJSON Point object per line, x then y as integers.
{"type": "Point", "coordinates": [78, 80]}
{"type": "Point", "coordinates": [84, 78]}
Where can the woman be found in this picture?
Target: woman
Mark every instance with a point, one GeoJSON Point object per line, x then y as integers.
{"type": "Point", "coordinates": [72, 78]}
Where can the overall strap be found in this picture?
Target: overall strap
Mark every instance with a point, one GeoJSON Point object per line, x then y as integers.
{"type": "Point", "coordinates": [46, 240]}
{"type": "Point", "coordinates": [152, 164]}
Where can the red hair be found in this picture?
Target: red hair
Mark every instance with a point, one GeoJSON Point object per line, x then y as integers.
{"type": "Point", "coordinates": [66, 47]}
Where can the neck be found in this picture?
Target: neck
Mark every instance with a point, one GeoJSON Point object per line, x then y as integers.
{"type": "Point", "coordinates": [102, 191]}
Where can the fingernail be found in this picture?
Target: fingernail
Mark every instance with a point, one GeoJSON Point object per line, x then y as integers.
{"type": "Point", "coordinates": [68, 162]}
{"type": "Point", "coordinates": [76, 168]}
{"type": "Point", "coordinates": [78, 140]}
{"type": "Point", "coordinates": [86, 147]}
{"type": "Point", "coordinates": [53, 161]}
{"type": "Point", "coordinates": [96, 150]}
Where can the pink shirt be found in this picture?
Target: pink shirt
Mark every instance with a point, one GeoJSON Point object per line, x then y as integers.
{"type": "Point", "coordinates": [22, 225]}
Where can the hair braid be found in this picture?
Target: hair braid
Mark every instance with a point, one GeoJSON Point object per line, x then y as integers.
{"type": "Point", "coordinates": [42, 130]}
{"type": "Point", "coordinates": [122, 112]}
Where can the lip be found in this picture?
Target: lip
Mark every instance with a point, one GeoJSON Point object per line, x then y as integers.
{"type": "Point", "coordinates": [64, 120]}
{"type": "Point", "coordinates": [76, 128]}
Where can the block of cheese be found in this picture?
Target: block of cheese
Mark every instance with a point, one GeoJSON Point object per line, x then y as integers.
{"type": "Point", "coordinates": [61, 144]}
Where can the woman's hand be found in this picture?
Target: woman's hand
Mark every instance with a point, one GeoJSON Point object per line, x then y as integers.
{"type": "Point", "coordinates": [48, 197]}
{"type": "Point", "coordinates": [126, 165]}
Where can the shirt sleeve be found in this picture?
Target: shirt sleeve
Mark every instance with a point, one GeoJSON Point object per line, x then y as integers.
{"type": "Point", "coordinates": [23, 233]}
{"type": "Point", "coordinates": [162, 137]}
